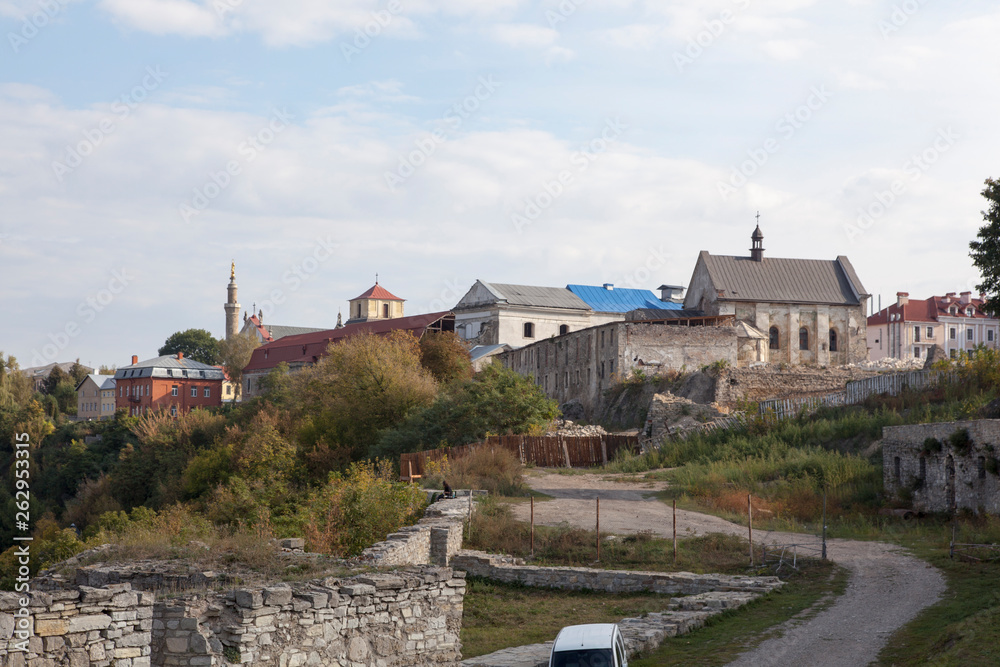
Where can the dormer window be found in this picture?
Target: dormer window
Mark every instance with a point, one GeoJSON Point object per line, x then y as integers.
{"type": "Point", "coordinates": [953, 310]}
{"type": "Point", "coordinates": [970, 312]}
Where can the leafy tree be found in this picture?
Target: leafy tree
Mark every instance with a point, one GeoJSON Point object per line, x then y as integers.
{"type": "Point", "coordinates": [365, 384]}
{"type": "Point", "coordinates": [107, 370]}
{"type": "Point", "coordinates": [497, 401]}
{"type": "Point", "coordinates": [15, 387]}
{"type": "Point", "coordinates": [78, 371]}
{"type": "Point", "coordinates": [198, 344]}
{"type": "Point", "coordinates": [444, 355]}
{"type": "Point", "coordinates": [235, 353]}
{"type": "Point", "coordinates": [56, 377]}
{"type": "Point", "coordinates": [986, 251]}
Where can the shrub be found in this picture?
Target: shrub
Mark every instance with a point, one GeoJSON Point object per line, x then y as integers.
{"type": "Point", "coordinates": [489, 468]}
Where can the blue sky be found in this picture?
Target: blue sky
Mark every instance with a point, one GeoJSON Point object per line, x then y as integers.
{"type": "Point", "coordinates": [144, 144]}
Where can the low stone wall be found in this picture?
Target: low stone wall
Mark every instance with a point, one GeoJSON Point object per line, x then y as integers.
{"type": "Point", "coordinates": [409, 617]}
{"type": "Point", "coordinates": [432, 540]}
{"type": "Point", "coordinates": [512, 570]}
{"type": "Point", "coordinates": [79, 626]}
{"type": "Point", "coordinates": [735, 385]}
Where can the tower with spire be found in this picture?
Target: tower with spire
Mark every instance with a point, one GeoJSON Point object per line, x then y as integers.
{"type": "Point", "coordinates": [757, 243]}
{"type": "Point", "coordinates": [231, 306]}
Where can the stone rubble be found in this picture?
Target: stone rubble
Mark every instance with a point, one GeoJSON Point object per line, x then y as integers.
{"type": "Point", "coordinates": [567, 427]}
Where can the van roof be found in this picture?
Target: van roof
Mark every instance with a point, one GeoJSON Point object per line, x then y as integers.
{"type": "Point", "coordinates": [592, 635]}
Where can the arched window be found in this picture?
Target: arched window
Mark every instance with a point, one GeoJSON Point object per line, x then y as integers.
{"type": "Point", "coordinates": [833, 340]}
{"type": "Point", "coordinates": [774, 339]}
{"type": "Point", "coordinates": [803, 339]}
{"type": "Point", "coordinates": [563, 329]}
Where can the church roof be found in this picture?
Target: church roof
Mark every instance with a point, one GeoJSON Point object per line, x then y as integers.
{"type": "Point", "coordinates": [271, 332]}
{"type": "Point", "coordinates": [784, 280]}
{"type": "Point", "coordinates": [378, 292]}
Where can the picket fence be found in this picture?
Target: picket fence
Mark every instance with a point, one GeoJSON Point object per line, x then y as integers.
{"type": "Point", "coordinates": [547, 450]}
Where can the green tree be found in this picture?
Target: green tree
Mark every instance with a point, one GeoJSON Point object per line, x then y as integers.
{"type": "Point", "coordinates": [235, 353]}
{"type": "Point", "coordinates": [497, 401]}
{"type": "Point", "coordinates": [78, 371]}
{"type": "Point", "coordinates": [444, 355]}
{"type": "Point", "coordinates": [15, 387]}
{"type": "Point", "coordinates": [56, 377]}
{"type": "Point", "coordinates": [985, 252]}
{"type": "Point", "coordinates": [107, 370]}
{"type": "Point", "coordinates": [365, 384]}
{"type": "Point", "coordinates": [198, 344]}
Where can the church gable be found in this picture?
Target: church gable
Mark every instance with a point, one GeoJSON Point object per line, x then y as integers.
{"type": "Point", "coordinates": [479, 295]}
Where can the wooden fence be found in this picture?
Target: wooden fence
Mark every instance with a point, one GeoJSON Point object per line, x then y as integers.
{"type": "Point", "coordinates": [562, 451]}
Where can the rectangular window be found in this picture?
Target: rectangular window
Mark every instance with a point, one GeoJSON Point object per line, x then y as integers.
{"type": "Point", "coordinates": [989, 335]}
{"type": "Point", "coordinates": [930, 332]}
{"type": "Point", "coordinates": [173, 390]}
{"type": "Point", "coordinates": [952, 333]}
{"type": "Point", "coordinates": [916, 353]}
{"type": "Point", "coordinates": [194, 392]}
{"type": "Point", "coordinates": [916, 334]}
{"type": "Point", "coordinates": [969, 334]}
{"type": "Point", "coordinates": [208, 392]}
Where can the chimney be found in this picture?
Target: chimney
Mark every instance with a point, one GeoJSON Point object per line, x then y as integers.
{"type": "Point", "coordinates": [180, 356]}
{"type": "Point", "coordinates": [966, 297]}
{"type": "Point", "coordinates": [902, 298]}
{"type": "Point", "coordinates": [135, 359]}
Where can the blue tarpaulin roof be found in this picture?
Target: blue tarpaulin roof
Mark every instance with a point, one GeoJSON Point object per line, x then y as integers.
{"type": "Point", "coordinates": [619, 299]}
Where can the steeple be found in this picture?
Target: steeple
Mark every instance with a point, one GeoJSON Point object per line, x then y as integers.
{"type": "Point", "coordinates": [232, 307]}
{"type": "Point", "coordinates": [757, 243]}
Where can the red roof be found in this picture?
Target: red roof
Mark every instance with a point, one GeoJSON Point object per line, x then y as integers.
{"type": "Point", "coordinates": [307, 348]}
{"type": "Point", "coordinates": [928, 310]}
{"type": "Point", "coordinates": [378, 292]}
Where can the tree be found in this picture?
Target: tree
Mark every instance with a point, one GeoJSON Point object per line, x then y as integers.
{"type": "Point", "coordinates": [197, 344]}
{"type": "Point", "coordinates": [497, 401]}
{"type": "Point", "coordinates": [15, 387]}
{"type": "Point", "coordinates": [365, 384]}
{"type": "Point", "coordinates": [107, 370]}
{"type": "Point", "coordinates": [444, 355]}
{"type": "Point", "coordinates": [78, 372]}
{"type": "Point", "coordinates": [986, 251]}
{"type": "Point", "coordinates": [235, 353]}
{"type": "Point", "coordinates": [56, 377]}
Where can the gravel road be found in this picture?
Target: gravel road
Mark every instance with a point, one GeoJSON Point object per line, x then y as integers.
{"type": "Point", "coordinates": [887, 587]}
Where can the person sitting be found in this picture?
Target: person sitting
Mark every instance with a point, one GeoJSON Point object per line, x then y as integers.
{"type": "Point", "coordinates": [448, 493]}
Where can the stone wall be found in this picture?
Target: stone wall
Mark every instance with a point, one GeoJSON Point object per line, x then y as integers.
{"type": "Point", "coordinates": [670, 415]}
{"type": "Point", "coordinates": [584, 364]}
{"type": "Point", "coordinates": [408, 617]}
{"type": "Point", "coordinates": [79, 627]}
{"type": "Point", "coordinates": [513, 571]}
{"type": "Point", "coordinates": [923, 464]}
{"type": "Point", "coordinates": [432, 540]}
{"type": "Point", "coordinates": [735, 385]}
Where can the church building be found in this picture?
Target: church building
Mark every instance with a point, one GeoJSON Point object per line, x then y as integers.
{"type": "Point", "coordinates": [812, 310]}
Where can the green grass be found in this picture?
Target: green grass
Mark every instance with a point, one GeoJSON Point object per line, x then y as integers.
{"type": "Point", "coordinates": [726, 636]}
{"type": "Point", "coordinates": [498, 616]}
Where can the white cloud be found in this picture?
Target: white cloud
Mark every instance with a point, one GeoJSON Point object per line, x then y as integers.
{"type": "Point", "coordinates": [164, 17]}
{"type": "Point", "coordinates": [786, 49]}
{"type": "Point", "coordinates": [519, 35]}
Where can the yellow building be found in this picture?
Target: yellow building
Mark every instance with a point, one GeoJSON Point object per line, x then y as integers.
{"type": "Point", "coordinates": [375, 304]}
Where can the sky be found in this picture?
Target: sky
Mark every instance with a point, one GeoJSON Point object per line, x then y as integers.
{"type": "Point", "coordinates": [147, 144]}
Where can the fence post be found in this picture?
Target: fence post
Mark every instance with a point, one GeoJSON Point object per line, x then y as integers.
{"type": "Point", "coordinates": [824, 523]}
{"type": "Point", "coordinates": [598, 529]}
{"type": "Point", "coordinates": [675, 531]}
{"type": "Point", "coordinates": [532, 526]}
{"type": "Point", "coordinates": [750, 522]}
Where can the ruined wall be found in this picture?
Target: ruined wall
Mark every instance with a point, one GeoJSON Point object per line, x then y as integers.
{"type": "Point", "coordinates": [432, 540]}
{"type": "Point", "coordinates": [584, 364]}
{"type": "Point", "coordinates": [408, 617]}
{"type": "Point", "coordinates": [735, 385]}
{"type": "Point", "coordinates": [940, 475]}
{"type": "Point", "coordinates": [80, 626]}
{"type": "Point", "coordinates": [513, 570]}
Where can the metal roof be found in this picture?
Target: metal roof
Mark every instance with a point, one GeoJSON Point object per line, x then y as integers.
{"type": "Point", "coordinates": [539, 297]}
{"type": "Point", "coordinates": [480, 351]}
{"type": "Point", "coordinates": [376, 291]}
{"type": "Point", "coordinates": [611, 299]}
{"type": "Point", "coordinates": [280, 331]}
{"type": "Point", "coordinates": [784, 280]}
{"type": "Point", "coordinates": [640, 314]}
{"type": "Point", "coordinates": [170, 366]}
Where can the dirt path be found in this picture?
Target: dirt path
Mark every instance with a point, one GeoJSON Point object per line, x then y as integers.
{"type": "Point", "coordinates": [887, 587]}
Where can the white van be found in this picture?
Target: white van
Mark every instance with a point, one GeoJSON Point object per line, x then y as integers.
{"type": "Point", "coordinates": [593, 645]}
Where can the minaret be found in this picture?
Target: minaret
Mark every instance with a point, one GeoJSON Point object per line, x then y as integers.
{"type": "Point", "coordinates": [232, 308]}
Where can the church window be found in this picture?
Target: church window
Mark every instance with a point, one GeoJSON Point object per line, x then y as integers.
{"type": "Point", "coordinates": [803, 339]}
{"type": "Point", "coordinates": [774, 338]}
{"type": "Point", "coordinates": [529, 331]}
{"type": "Point", "coordinates": [385, 310]}
{"type": "Point", "coordinates": [833, 340]}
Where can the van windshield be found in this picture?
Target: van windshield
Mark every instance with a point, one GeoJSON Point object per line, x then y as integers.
{"type": "Point", "coordinates": [596, 657]}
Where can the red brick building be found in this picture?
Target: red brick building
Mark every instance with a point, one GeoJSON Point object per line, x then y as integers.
{"type": "Point", "coordinates": [171, 383]}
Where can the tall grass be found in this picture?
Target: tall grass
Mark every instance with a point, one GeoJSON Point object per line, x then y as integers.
{"type": "Point", "coordinates": [491, 468]}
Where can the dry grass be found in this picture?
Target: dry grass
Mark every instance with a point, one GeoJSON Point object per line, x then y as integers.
{"type": "Point", "coordinates": [494, 469]}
